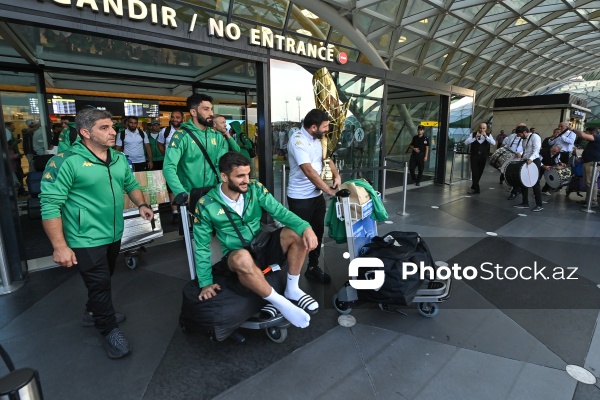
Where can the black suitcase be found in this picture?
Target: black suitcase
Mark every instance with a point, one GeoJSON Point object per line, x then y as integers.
{"type": "Point", "coordinates": [34, 183]}
{"type": "Point", "coordinates": [407, 247]}
{"type": "Point", "coordinates": [220, 316]}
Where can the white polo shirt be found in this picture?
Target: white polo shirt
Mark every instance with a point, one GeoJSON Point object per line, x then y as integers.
{"type": "Point", "coordinates": [161, 136]}
{"type": "Point", "coordinates": [134, 146]}
{"type": "Point", "coordinates": [303, 148]}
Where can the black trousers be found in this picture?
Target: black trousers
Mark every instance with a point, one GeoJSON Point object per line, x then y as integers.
{"type": "Point", "coordinates": [478, 162]}
{"type": "Point", "coordinates": [537, 192]}
{"type": "Point", "coordinates": [142, 166]}
{"type": "Point", "coordinates": [417, 160]}
{"type": "Point", "coordinates": [96, 266]}
{"type": "Point", "coordinates": [312, 211]}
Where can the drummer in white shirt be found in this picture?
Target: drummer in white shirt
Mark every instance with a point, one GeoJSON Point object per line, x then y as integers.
{"type": "Point", "coordinates": [515, 144]}
{"type": "Point", "coordinates": [532, 143]}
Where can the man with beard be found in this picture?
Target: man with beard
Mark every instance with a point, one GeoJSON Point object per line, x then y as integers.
{"type": "Point", "coordinates": [305, 186]}
{"type": "Point", "coordinates": [193, 153]}
{"type": "Point", "coordinates": [233, 210]}
{"type": "Point", "coordinates": [164, 138]}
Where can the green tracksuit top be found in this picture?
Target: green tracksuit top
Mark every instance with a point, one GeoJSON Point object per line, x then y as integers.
{"type": "Point", "coordinates": [209, 216]}
{"type": "Point", "coordinates": [185, 168]}
{"type": "Point", "coordinates": [87, 194]}
{"type": "Point", "coordinates": [156, 154]}
{"type": "Point", "coordinates": [64, 141]}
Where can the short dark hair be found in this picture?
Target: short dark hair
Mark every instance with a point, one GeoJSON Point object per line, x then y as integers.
{"type": "Point", "coordinates": [56, 126]}
{"type": "Point", "coordinates": [521, 129]}
{"type": "Point", "coordinates": [132, 117]}
{"type": "Point", "coordinates": [69, 118]}
{"type": "Point", "coordinates": [231, 160]}
{"type": "Point", "coordinates": [592, 130]}
{"type": "Point", "coordinates": [194, 100]}
{"type": "Point", "coordinates": [7, 124]}
{"type": "Point", "coordinates": [420, 128]}
{"type": "Point", "coordinates": [315, 117]}
{"type": "Point", "coordinates": [177, 111]}
{"type": "Point", "coordinates": [87, 117]}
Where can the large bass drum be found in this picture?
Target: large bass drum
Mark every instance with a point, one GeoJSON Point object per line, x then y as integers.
{"type": "Point", "coordinates": [519, 173]}
{"type": "Point", "coordinates": [557, 178]}
{"type": "Point", "coordinates": [501, 157]}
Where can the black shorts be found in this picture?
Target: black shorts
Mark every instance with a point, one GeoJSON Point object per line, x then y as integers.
{"type": "Point", "coordinates": [273, 254]}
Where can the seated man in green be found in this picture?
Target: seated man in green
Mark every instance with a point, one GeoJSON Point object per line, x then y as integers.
{"type": "Point", "coordinates": [240, 201]}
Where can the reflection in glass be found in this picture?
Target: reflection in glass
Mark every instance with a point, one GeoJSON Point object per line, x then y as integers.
{"type": "Point", "coordinates": [269, 13]}
{"type": "Point", "coordinates": [461, 114]}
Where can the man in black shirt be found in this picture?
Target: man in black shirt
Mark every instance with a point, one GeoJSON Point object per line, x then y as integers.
{"type": "Point", "coordinates": [480, 143]}
{"type": "Point", "coordinates": [420, 154]}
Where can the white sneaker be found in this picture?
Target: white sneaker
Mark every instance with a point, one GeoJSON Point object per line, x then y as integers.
{"type": "Point", "coordinates": [546, 193]}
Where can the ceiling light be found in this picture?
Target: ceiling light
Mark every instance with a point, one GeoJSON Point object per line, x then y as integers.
{"type": "Point", "coordinates": [445, 55]}
{"type": "Point", "coordinates": [424, 21]}
{"type": "Point", "coordinates": [308, 14]}
{"type": "Point", "coordinates": [304, 32]}
{"type": "Point", "coordinates": [464, 63]}
{"type": "Point", "coordinates": [402, 39]}
{"type": "Point", "coordinates": [520, 21]}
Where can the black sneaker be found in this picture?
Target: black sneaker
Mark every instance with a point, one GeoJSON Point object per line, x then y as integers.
{"type": "Point", "coordinates": [317, 274]}
{"type": "Point", "coordinates": [88, 320]}
{"type": "Point", "coordinates": [522, 205]}
{"type": "Point", "coordinates": [537, 209]}
{"type": "Point", "coordinates": [512, 197]}
{"type": "Point", "coordinates": [116, 345]}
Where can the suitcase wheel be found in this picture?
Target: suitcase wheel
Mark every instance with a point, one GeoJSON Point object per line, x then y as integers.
{"type": "Point", "coordinates": [276, 334]}
{"type": "Point", "coordinates": [428, 310]}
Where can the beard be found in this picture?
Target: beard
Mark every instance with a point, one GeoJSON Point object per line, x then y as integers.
{"type": "Point", "coordinates": [231, 186]}
{"type": "Point", "coordinates": [175, 124]}
{"type": "Point", "coordinates": [208, 122]}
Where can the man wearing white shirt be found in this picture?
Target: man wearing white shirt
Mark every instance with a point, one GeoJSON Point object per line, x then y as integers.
{"type": "Point", "coordinates": [132, 141]}
{"type": "Point", "coordinates": [532, 143]}
{"type": "Point", "coordinates": [566, 139]}
{"type": "Point", "coordinates": [305, 186]}
{"type": "Point", "coordinates": [515, 144]}
{"type": "Point", "coordinates": [480, 143]}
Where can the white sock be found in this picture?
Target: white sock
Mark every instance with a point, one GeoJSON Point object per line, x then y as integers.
{"type": "Point", "coordinates": [297, 316]}
{"type": "Point", "coordinates": [293, 291]}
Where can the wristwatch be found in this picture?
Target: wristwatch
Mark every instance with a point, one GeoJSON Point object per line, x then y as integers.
{"type": "Point", "coordinates": [144, 205]}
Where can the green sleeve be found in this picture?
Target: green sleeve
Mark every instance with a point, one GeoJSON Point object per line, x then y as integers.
{"type": "Point", "coordinates": [56, 183]}
{"type": "Point", "coordinates": [280, 213]}
{"type": "Point", "coordinates": [202, 232]}
{"type": "Point", "coordinates": [173, 157]}
{"type": "Point", "coordinates": [233, 146]}
{"type": "Point", "coordinates": [130, 183]}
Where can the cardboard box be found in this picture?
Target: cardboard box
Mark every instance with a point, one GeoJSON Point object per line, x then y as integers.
{"type": "Point", "coordinates": [153, 187]}
{"type": "Point", "coordinates": [360, 206]}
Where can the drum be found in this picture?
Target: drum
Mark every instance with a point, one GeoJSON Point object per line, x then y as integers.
{"type": "Point", "coordinates": [557, 178]}
{"type": "Point", "coordinates": [501, 157]}
{"type": "Point", "coordinates": [520, 173]}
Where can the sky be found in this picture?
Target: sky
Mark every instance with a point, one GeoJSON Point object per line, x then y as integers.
{"type": "Point", "coordinates": [289, 81]}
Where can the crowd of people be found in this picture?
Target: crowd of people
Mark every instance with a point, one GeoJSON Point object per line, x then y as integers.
{"type": "Point", "coordinates": [84, 219]}
{"type": "Point", "coordinates": [556, 154]}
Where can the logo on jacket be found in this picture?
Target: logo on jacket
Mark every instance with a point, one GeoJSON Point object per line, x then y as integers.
{"type": "Point", "coordinates": [47, 175]}
{"type": "Point", "coordinates": [52, 164]}
{"type": "Point", "coordinates": [173, 144]}
{"type": "Point", "coordinates": [175, 136]}
{"type": "Point", "coordinates": [87, 164]}
{"type": "Point", "coordinates": [213, 141]}
{"type": "Point", "coordinates": [61, 154]}
{"type": "Point", "coordinates": [221, 211]}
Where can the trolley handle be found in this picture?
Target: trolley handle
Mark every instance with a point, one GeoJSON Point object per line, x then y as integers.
{"type": "Point", "coordinates": [343, 193]}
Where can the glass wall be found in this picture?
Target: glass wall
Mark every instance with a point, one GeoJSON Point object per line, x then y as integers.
{"type": "Point", "coordinates": [461, 114]}
{"type": "Point", "coordinates": [406, 109]}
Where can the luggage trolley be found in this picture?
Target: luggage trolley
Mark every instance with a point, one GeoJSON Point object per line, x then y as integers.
{"type": "Point", "coordinates": [137, 233]}
{"type": "Point", "coordinates": [275, 328]}
{"type": "Point", "coordinates": [360, 229]}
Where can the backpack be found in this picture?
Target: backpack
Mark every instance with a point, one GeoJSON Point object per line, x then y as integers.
{"type": "Point", "coordinates": [141, 132]}
{"type": "Point", "coordinates": [406, 247]}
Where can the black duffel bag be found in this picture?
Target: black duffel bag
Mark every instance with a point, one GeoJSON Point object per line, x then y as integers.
{"type": "Point", "coordinates": [219, 316]}
{"type": "Point", "coordinates": [406, 247]}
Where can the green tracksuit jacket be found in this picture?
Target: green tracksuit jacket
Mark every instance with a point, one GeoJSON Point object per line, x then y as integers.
{"type": "Point", "coordinates": [209, 216]}
{"type": "Point", "coordinates": [185, 168]}
{"type": "Point", "coordinates": [64, 141]}
{"type": "Point", "coordinates": [87, 194]}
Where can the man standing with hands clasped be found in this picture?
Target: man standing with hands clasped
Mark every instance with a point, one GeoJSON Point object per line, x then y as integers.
{"type": "Point", "coordinates": [420, 154]}
{"type": "Point", "coordinates": [480, 143]}
{"type": "Point", "coordinates": [305, 187]}
{"type": "Point", "coordinates": [82, 212]}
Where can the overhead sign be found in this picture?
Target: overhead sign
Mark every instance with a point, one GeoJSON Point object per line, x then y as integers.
{"type": "Point", "coordinates": [430, 123]}
{"type": "Point", "coordinates": [138, 10]}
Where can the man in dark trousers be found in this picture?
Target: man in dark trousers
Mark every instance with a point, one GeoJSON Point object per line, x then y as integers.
{"type": "Point", "coordinates": [480, 143]}
{"type": "Point", "coordinates": [420, 154]}
{"type": "Point", "coordinates": [590, 156]}
{"type": "Point", "coordinates": [82, 212]}
{"type": "Point", "coordinates": [532, 143]}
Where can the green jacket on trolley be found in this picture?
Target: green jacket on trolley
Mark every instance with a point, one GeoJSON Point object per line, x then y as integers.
{"type": "Point", "coordinates": [210, 216]}
{"type": "Point", "coordinates": [87, 194]}
{"type": "Point", "coordinates": [184, 167]}
{"type": "Point", "coordinates": [68, 137]}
